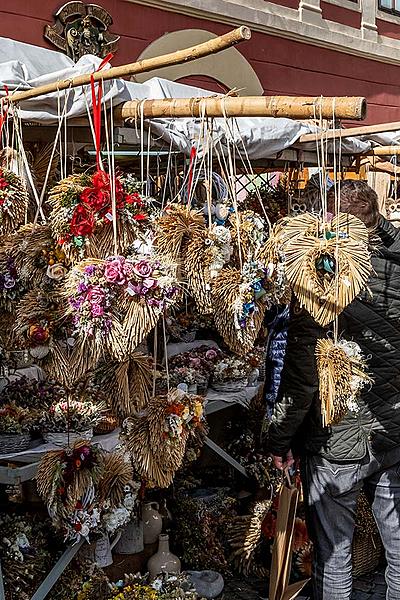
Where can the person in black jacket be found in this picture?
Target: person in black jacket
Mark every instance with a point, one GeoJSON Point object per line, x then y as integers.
{"type": "Point", "coordinates": [363, 449]}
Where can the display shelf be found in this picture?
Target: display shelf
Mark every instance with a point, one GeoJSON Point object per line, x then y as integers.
{"type": "Point", "coordinates": [14, 474]}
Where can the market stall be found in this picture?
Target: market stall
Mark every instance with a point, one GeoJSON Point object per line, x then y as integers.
{"type": "Point", "coordinates": [138, 271]}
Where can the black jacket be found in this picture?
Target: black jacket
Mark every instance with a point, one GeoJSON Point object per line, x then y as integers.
{"type": "Point", "coordinates": [373, 321]}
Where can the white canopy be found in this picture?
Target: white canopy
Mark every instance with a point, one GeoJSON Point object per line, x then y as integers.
{"type": "Point", "coordinates": [23, 66]}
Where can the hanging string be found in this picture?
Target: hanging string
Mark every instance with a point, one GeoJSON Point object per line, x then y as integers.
{"type": "Point", "coordinates": [96, 107]}
{"type": "Point", "coordinates": [4, 112]}
{"type": "Point", "coordinates": [53, 151]}
{"type": "Point", "coordinates": [167, 175]}
{"type": "Point", "coordinates": [250, 167]}
{"type": "Point", "coordinates": [232, 180]}
{"type": "Point", "coordinates": [148, 160]}
{"type": "Point", "coordinates": [166, 352]}
{"type": "Point", "coordinates": [26, 165]}
{"type": "Point", "coordinates": [155, 354]}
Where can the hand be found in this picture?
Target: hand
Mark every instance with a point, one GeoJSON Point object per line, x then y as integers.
{"type": "Point", "coordinates": [283, 462]}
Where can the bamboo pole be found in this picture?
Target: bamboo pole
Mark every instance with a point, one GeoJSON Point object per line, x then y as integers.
{"type": "Point", "coordinates": [383, 151]}
{"type": "Point", "coordinates": [142, 66]}
{"type": "Point", "coordinates": [350, 132]}
{"type": "Point", "coordinates": [351, 107]}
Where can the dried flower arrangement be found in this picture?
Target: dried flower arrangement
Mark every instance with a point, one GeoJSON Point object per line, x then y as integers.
{"type": "Point", "coordinates": [31, 393]}
{"type": "Point", "coordinates": [71, 415]}
{"type": "Point", "coordinates": [14, 419]}
{"type": "Point", "coordinates": [99, 291]}
{"type": "Point", "coordinates": [25, 553]}
{"type": "Point", "coordinates": [164, 587]}
{"type": "Point", "coordinates": [86, 489]}
{"type": "Point", "coordinates": [342, 374]}
{"type": "Point", "coordinates": [156, 438]}
{"type": "Point", "coordinates": [82, 213]}
{"type": "Point", "coordinates": [231, 368]}
{"type": "Point", "coordinates": [11, 285]}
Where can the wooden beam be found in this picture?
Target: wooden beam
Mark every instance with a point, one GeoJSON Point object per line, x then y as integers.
{"type": "Point", "coordinates": [292, 107]}
{"type": "Point", "coordinates": [350, 132]}
{"type": "Point", "coordinates": [142, 66]}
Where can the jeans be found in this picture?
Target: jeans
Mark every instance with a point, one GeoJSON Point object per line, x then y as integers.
{"type": "Point", "coordinates": [330, 494]}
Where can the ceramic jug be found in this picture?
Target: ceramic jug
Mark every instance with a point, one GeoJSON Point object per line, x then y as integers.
{"type": "Point", "coordinates": [102, 550]}
{"type": "Point", "coordinates": [131, 540]}
{"type": "Point", "coordinates": [152, 522]}
{"type": "Point", "coordinates": [163, 561]}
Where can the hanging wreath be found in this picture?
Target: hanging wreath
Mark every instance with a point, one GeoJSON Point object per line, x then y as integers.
{"type": "Point", "coordinates": [87, 489]}
{"type": "Point", "coordinates": [14, 200]}
{"type": "Point", "coordinates": [326, 264]}
{"type": "Point", "coordinates": [66, 482]}
{"type": "Point", "coordinates": [157, 438]}
{"type": "Point", "coordinates": [114, 304]}
{"type": "Point", "coordinates": [82, 216]}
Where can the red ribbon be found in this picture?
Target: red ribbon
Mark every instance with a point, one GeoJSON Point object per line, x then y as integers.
{"type": "Point", "coordinates": [96, 102]}
{"type": "Point", "coordinates": [3, 114]}
{"type": "Point", "coordinates": [193, 153]}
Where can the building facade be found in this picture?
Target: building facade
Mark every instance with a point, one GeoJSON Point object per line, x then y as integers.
{"type": "Point", "coordinates": [298, 47]}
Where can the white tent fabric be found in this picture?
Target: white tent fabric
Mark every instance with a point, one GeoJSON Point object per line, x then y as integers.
{"type": "Point", "coordinates": [23, 66]}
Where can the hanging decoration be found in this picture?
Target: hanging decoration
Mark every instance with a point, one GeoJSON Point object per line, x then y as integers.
{"type": "Point", "coordinates": [156, 438]}
{"type": "Point", "coordinates": [240, 301]}
{"type": "Point", "coordinates": [175, 228]}
{"type": "Point", "coordinates": [36, 255]}
{"type": "Point", "coordinates": [87, 490]}
{"type": "Point", "coordinates": [245, 535]}
{"type": "Point", "coordinates": [128, 384]}
{"type": "Point", "coordinates": [14, 199]}
{"type": "Point", "coordinates": [205, 256]}
{"type": "Point", "coordinates": [115, 303]}
{"type": "Point", "coordinates": [81, 218]}
{"type": "Point", "coordinates": [342, 374]}
{"type": "Point", "coordinates": [326, 264]}
{"type": "Point", "coordinates": [66, 482]}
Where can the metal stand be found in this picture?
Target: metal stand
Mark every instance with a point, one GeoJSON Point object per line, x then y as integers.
{"type": "Point", "coordinates": [57, 571]}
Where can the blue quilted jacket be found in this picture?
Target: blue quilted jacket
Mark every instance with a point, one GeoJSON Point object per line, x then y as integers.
{"type": "Point", "coordinates": [277, 321]}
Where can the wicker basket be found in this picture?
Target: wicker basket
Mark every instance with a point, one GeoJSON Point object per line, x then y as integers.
{"type": "Point", "coordinates": [367, 553]}
{"type": "Point", "coordinates": [229, 386]}
{"type": "Point", "coordinates": [367, 543]}
{"type": "Point", "coordinates": [14, 442]}
{"type": "Point", "coordinates": [108, 423]}
{"type": "Point", "coordinates": [61, 439]}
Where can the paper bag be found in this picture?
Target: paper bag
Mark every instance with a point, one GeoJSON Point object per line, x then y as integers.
{"type": "Point", "coordinates": [282, 549]}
